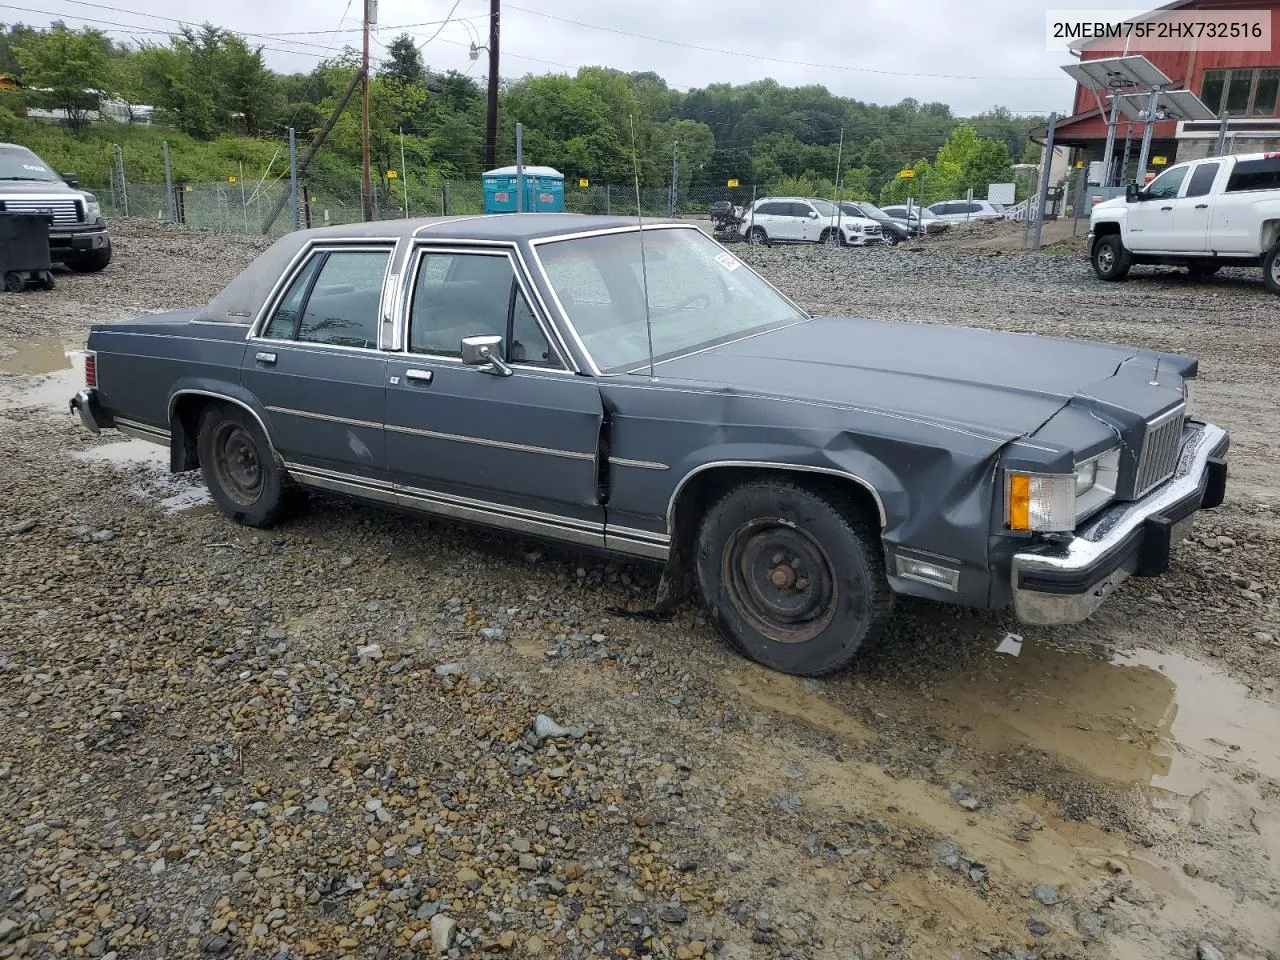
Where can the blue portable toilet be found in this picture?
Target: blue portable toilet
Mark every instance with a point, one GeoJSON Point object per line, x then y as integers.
{"type": "Point", "coordinates": [543, 190]}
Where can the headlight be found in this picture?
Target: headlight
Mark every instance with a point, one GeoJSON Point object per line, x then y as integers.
{"type": "Point", "coordinates": [92, 208]}
{"type": "Point", "coordinates": [1055, 502]}
{"type": "Point", "coordinates": [1041, 502]}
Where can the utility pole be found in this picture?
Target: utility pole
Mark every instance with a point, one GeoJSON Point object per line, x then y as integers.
{"type": "Point", "coordinates": [491, 123]}
{"type": "Point", "coordinates": [366, 186]}
{"type": "Point", "coordinates": [1221, 142]}
{"type": "Point", "coordinates": [675, 177]}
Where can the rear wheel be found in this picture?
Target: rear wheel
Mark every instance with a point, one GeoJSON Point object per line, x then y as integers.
{"type": "Point", "coordinates": [1111, 261]}
{"type": "Point", "coordinates": [1271, 269]}
{"type": "Point", "coordinates": [239, 467]}
{"type": "Point", "coordinates": [792, 578]}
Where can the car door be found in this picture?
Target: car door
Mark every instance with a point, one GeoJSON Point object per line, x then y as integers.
{"type": "Point", "coordinates": [798, 222]}
{"type": "Point", "coordinates": [1151, 218]}
{"type": "Point", "coordinates": [1234, 222]}
{"type": "Point", "coordinates": [1192, 210]}
{"type": "Point", "coordinates": [764, 216]}
{"type": "Point", "coordinates": [314, 363]}
{"type": "Point", "coordinates": [516, 450]}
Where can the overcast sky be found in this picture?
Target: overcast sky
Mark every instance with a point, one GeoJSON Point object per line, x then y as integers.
{"type": "Point", "coordinates": [972, 54]}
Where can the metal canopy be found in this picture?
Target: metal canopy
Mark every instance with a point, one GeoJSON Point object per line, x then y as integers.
{"type": "Point", "coordinates": [1170, 105]}
{"type": "Point", "coordinates": [1112, 73]}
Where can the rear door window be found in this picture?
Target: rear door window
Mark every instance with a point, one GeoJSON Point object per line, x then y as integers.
{"type": "Point", "coordinates": [333, 300]}
{"type": "Point", "coordinates": [1261, 174]}
{"type": "Point", "coordinates": [1202, 179]}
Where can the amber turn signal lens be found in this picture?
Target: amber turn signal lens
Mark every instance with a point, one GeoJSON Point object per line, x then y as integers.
{"type": "Point", "coordinates": [1019, 502]}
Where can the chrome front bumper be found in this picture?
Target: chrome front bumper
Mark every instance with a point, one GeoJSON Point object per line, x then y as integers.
{"type": "Point", "coordinates": [1066, 582]}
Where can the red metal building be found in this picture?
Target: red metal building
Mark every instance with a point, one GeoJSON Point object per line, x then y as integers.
{"type": "Point", "coordinates": [1244, 82]}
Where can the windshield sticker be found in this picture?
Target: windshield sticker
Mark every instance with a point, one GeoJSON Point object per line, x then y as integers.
{"type": "Point", "coordinates": [35, 167]}
{"type": "Point", "coordinates": [728, 261]}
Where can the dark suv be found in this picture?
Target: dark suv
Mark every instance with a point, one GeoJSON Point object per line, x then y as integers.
{"type": "Point", "coordinates": [78, 235]}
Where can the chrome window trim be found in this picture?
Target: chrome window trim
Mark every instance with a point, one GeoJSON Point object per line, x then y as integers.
{"type": "Point", "coordinates": [409, 281]}
{"type": "Point", "coordinates": [800, 468]}
{"type": "Point", "coordinates": [537, 242]}
{"type": "Point", "coordinates": [298, 263]}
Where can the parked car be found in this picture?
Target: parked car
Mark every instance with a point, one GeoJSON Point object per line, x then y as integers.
{"type": "Point", "coordinates": [1202, 215]}
{"type": "Point", "coordinates": [966, 211]}
{"type": "Point", "coordinates": [78, 235]}
{"type": "Point", "coordinates": [892, 229]}
{"type": "Point", "coordinates": [806, 220]}
{"type": "Point", "coordinates": [921, 219]}
{"type": "Point", "coordinates": [557, 375]}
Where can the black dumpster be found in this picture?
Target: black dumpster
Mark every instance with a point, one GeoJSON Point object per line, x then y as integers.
{"type": "Point", "coordinates": [24, 251]}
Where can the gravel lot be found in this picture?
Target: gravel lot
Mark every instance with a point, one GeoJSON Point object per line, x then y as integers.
{"type": "Point", "coordinates": [363, 736]}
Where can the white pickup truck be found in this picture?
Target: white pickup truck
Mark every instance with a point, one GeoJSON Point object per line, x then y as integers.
{"type": "Point", "coordinates": [1203, 215]}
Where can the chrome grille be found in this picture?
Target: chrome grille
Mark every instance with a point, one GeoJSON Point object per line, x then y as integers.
{"type": "Point", "coordinates": [64, 210]}
{"type": "Point", "coordinates": [1160, 447]}
{"type": "Point", "coordinates": [873, 229]}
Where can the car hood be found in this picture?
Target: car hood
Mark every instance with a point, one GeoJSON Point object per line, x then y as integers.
{"type": "Point", "coordinates": [1115, 203]}
{"type": "Point", "coordinates": [1002, 385]}
{"type": "Point", "coordinates": [51, 188]}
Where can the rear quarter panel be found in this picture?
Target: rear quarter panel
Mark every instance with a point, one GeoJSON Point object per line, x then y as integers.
{"type": "Point", "coordinates": [139, 363]}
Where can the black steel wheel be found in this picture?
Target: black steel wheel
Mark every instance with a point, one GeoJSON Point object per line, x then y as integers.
{"type": "Point", "coordinates": [780, 578]}
{"type": "Point", "coordinates": [793, 578]}
{"type": "Point", "coordinates": [239, 467]}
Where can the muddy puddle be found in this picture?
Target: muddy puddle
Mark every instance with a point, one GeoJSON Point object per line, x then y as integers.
{"type": "Point", "coordinates": [44, 372]}
{"type": "Point", "coordinates": [48, 371]}
{"type": "Point", "coordinates": [1189, 755]}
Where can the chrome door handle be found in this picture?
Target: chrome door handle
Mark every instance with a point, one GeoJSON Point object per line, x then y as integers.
{"type": "Point", "coordinates": [265, 357]}
{"type": "Point", "coordinates": [419, 376]}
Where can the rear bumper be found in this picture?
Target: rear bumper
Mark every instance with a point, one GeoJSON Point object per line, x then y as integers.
{"type": "Point", "coordinates": [81, 239]}
{"type": "Point", "coordinates": [94, 418]}
{"type": "Point", "coordinates": [1067, 582]}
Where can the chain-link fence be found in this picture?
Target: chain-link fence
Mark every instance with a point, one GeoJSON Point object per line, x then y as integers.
{"type": "Point", "coordinates": [246, 205]}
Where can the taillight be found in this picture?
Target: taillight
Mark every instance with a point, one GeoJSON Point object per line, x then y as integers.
{"type": "Point", "coordinates": [90, 369]}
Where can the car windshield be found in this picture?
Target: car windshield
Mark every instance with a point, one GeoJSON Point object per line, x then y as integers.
{"type": "Point", "coordinates": [871, 210]}
{"type": "Point", "coordinates": [699, 294]}
{"type": "Point", "coordinates": [824, 207]}
{"type": "Point", "coordinates": [18, 163]}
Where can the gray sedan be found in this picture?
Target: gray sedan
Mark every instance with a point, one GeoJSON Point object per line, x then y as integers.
{"type": "Point", "coordinates": [643, 392]}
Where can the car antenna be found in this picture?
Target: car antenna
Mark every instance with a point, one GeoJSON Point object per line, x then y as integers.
{"type": "Point", "coordinates": [644, 272]}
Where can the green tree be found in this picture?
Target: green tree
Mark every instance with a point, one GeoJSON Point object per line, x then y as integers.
{"type": "Point", "coordinates": [404, 61]}
{"type": "Point", "coordinates": [72, 66]}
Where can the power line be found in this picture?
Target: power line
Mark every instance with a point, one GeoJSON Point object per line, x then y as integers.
{"type": "Point", "coordinates": [761, 56]}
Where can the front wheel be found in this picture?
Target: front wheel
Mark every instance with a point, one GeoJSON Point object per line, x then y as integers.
{"type": "Point", "coordinates": [793, 579]}
{"type": "Point", "coordinates": [831, 237]}
{"type": "Point", "coordinates": [1111, 261]}
{"type": "Point", "coordinates": [756, 236]}
{"type": "Point", "coordinates": [1271, 269]}
{"type": "Point", "coordinates": [240, 469]}
{"type": "Point", "coordinates": [91, 262]}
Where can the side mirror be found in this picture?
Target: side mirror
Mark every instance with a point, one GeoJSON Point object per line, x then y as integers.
{"type": "Point", "coordinates": [71, 180]}
{"type": "Point", "coordinates": [813, 214]}
{"type": "Point", "coordinates": [1132, 192]}
{"type": "Point", "coordinates": [482, 351]}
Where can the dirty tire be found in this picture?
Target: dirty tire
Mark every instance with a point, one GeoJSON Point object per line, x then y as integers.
{"type": "Point", "coordinates": [1271, 269]}
{"type": "Point", "coordinates": [240, 469]}
{"type": "Point", "coordinates": [1111, 261]}
{"type": "Point", "coordinates": [757, 236]}
{"type": "Point", "coordinates": [792, 578]}
{"type": "Point", "coordinates": [90, 262]}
